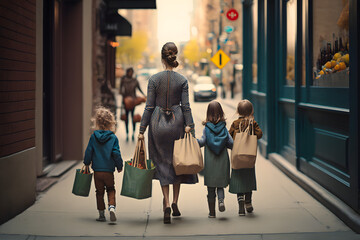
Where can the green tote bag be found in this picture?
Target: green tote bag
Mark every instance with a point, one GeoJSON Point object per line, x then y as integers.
{"type": "Point", "coordinates": [82, 182]}
{"type": "Point", "coordinates": [138, 174]}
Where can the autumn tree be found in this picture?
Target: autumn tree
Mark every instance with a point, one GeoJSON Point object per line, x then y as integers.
{"type": "Point", "coordinates": [130, 50]}
{"type": "Point", "coordinates": [192, 51]}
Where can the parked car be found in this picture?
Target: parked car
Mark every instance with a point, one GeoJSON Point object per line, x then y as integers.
{"type": "Point", "coordinates": [204, 89]}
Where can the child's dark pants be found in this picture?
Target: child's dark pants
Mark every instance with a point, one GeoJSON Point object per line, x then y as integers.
{"type": "Point", "coordinates": [212, 194]}
{"type": "Point", "coordinates": [247, 196]}
{"type": "Point", "coordinates": [104, 180]}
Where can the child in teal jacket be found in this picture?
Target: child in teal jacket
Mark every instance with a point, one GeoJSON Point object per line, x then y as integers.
{"type": "Point", "coordinates": [103, 152]}
{"type": "Point", "coordinates": [216, 140]}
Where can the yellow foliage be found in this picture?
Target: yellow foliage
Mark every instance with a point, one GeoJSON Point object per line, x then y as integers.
{"type": "Point", "coordinates": [192, 51]}
{"type": "Point", "coordinates": [131, 49]}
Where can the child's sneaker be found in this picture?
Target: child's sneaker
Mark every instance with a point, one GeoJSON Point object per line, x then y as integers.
{"type": "Point", "coordinates": [249, 207]}
{"type": "Point", "coordinates": [221, 205]}
{"type": "Point", "coordinates": [112, 213]}
{"type": "Point", "coordinates": [101, 217]}
{"type": "Point", "coordinates": [241, 202]}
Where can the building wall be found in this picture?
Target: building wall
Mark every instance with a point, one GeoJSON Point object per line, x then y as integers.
{"type": "Point", "coordinates": [18, 76]}
{"type": "Point", "coordinates": [87, 71]}
{"type": "Point", "coordinates": [72, 80]}
{"type": "Point", "coordinates": [20, 30]}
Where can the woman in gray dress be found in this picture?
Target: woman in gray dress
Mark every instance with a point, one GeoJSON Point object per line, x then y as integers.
{"type": "Point", "coordinates": [167, 113]}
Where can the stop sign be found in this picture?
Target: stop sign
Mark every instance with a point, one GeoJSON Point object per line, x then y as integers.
{"type": "Point", "coordinates": [232, 14]}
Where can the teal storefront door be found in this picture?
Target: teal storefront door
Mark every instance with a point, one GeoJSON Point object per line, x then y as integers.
{"type": "Point", "coordinates": [306, 89]}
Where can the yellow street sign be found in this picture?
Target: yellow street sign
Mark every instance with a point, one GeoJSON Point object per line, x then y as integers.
{"type": "Point", "coordinates": [220, 59]}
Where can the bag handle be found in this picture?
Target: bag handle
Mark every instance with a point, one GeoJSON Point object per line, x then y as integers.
{"type": "Point", "coordinates": [140, 145]}
{"type": "Point", "coordinates": [248, 128]}
{"type": "Point", "coordinates": [85, 169]}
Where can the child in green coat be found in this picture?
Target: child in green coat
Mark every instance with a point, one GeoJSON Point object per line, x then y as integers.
{"type": "Point", "coordinates": [216, 140]}
{"type": "Point", "coordinates": [243, 181]}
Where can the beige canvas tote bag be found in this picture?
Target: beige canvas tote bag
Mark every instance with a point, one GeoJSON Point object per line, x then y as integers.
{"type": "Point", "coordinates": [187, 156]}
{"type": "Point", "coordinates": [243, 154]}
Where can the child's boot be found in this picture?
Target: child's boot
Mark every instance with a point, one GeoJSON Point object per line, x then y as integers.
{"type": "Point", "coordinates": [221, 205]}
{"type": "Point", "coordinates": [112, 213]}
{"type": "Point", "coordinates": [211, 203]}
{"type": "Point", "coordinates": [241, 202]}
{"type": "Point", "coordinates": [248, 205]}
{"type": "Point", "coordinates": [101, 217]}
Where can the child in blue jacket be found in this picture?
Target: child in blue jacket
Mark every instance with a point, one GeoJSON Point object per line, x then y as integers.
{"type": "Point", "coordinates": [216, 140]}
{"type": "Point", "coordinates": [103, 153]}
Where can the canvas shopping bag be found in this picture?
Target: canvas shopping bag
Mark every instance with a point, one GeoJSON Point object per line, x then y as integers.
{"type": "Point", "coordinates": [82, 182]}
{"type": "Point", "coordinates": [138, 174]}
{"type": "Point", "coordinates": [187, 156]}
{"type": "Point", "coordinates": [243, 154]}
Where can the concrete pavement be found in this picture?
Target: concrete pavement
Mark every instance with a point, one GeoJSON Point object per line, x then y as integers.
{"type": "Point", "coordinates": [283, 210]}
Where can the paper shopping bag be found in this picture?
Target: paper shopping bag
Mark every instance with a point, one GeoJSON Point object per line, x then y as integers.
{"type": "Point", "coordinates": [243, 154]}
{"type": "Point", "coordinates": [187, 156]}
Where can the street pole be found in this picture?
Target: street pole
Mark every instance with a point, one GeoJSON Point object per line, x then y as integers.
{"type": "Point", "coordinates": [223, 95]}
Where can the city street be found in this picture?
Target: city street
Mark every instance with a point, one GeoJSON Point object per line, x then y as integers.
{"type": "Point", "coordinates": [282, 209]}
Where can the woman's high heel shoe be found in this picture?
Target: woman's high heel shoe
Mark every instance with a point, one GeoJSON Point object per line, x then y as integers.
{"type": "Point", "coordinates": [176, 212]}
{"type": "Point", "coordinates": [167, 218]}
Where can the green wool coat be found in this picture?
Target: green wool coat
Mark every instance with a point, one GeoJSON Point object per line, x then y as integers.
{"type": "Point", "coordinates": [217, 168]}
{"type": "Point", "coordinates": [243, 180]}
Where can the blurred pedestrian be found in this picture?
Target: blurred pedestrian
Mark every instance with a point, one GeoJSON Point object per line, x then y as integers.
{"type": "Point", "coordinates": [103, 153]}
{"type": "Point", "coordinates": [243, 181]}
{"type": "Point", "coordinates": [216, 140]}
{"type": "Point", "coordinates": [167, 112]}
{"type": "Point", "coordinates": [127, 89]}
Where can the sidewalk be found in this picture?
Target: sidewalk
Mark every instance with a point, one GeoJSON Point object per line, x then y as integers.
{"type": "Point", "coordinates": [282, 211]}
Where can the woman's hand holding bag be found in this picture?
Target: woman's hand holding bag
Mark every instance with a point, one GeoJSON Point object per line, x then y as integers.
{"type": "Point", "coordinates": [187, 156]}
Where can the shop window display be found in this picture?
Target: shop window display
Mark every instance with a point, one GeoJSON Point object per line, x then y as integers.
{"type": "Point", "coordinates": [331, 43]}
{"type": "Point", "coordinates": [290, 41]}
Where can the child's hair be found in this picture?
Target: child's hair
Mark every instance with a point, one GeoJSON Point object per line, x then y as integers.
{"type": "Point", "coordinates": [214, 113]}
{"type": "Point", "coordinates": [104, 119]}
{"type": "Point", "coordinates": [245, 108]}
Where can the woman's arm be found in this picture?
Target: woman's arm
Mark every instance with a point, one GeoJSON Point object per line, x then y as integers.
{"type": "Point", "coordinates": [150, 106]}
{"type": "Point", "coordinates": [185, 106]}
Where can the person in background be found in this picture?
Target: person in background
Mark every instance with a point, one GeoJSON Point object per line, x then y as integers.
{"type": "Point", "coordinates": [128, 87]}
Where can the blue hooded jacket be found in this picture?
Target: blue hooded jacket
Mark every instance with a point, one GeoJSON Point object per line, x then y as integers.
{"type": "Point", "coordinates": [103, 152]}
{"type": "Point", "coordinates": [216, 137]}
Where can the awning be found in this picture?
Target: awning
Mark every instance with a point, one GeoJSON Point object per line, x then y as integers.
{"type": "Point", "coordinates": [131, 4]}
{"type": "Point", "coordinates": [117, 25]}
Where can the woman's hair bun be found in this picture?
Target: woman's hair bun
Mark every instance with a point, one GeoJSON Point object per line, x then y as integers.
{"type": "Point", "coordinates": [168, 54]}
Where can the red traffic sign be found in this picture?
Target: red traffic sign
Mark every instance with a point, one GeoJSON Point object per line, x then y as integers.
{"type": "Point", "coordinates": [232, 14]}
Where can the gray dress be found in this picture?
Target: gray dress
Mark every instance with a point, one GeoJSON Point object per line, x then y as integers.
{"type": "Point", "coordinates": [167, 112]}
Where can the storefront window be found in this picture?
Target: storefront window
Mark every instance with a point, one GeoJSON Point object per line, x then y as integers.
{"type": "Point", "coordinates": [290, 41]}
{"type": "Point", "coordinates": [255, 33]}
{"type": "Point", "coordinates": [331, 43]}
